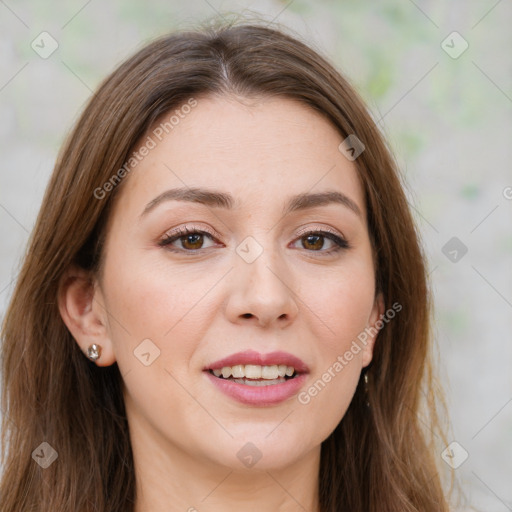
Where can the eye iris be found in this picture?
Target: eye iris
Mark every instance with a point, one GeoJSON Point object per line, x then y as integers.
{"type": "Point", "coordinates": [317, 241]}
{"type": "Point", "coordinates": [194, 239]}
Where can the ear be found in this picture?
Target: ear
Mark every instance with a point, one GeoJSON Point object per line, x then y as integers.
{"type": "Point", "coordinates": [82, 309]}
{"type": "Point", "coordinates": [372, 330]}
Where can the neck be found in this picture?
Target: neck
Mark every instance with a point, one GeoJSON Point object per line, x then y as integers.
{"type": "Point", "coordinates": [172, 480]}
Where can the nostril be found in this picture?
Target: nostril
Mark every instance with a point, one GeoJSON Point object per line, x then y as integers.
{"type": "Point", "coordinates": [247, 315]}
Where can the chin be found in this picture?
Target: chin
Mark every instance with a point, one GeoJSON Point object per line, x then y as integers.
{"type": "Point", "coordinates": [257, 453]}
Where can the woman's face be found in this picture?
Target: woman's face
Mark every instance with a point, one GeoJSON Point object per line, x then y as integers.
{"type": "Point", "coordinates": [246, 283]}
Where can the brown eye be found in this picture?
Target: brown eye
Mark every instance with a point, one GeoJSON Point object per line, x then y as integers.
{"type": "Point", "coordinates": [191, 240]}
{"type": "Point", "coordinates": [314, 241]}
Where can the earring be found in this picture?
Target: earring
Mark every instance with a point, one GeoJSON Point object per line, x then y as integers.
{"type": "Point", "coordinates": [366, 388]}
{"type": "Point", "coordinates": [94, 352]}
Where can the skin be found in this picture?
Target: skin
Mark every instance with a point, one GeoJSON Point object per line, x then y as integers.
{"type": "Point", "coordinates": [200, 308]}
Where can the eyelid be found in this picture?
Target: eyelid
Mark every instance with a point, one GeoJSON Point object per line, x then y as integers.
{"type": "Point", "coordinates": [337, 237]}
{"type": "Point", "coordinates": [299, 233]}
{"type": "Point", "coordinates": [309, 229]}
{"type": "Point", "coordinates": [183, 230]}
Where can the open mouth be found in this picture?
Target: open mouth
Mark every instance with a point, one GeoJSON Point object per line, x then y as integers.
{"type": "Point", "coordinates": [256, 375]}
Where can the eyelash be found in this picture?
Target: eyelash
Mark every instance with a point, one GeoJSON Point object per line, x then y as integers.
{"type": "Point", "coordinates": [340, 242]}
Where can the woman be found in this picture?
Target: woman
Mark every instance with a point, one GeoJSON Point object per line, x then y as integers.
{"type": "Point", "coordinates": [224, 303]}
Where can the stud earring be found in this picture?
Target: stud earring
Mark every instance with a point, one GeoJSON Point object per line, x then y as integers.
{"type": "Point", "coordinates": [366, 388]}
{"type": "Point", "coordinates": [94, 352]}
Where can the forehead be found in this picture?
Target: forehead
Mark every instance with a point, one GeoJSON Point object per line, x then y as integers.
{"type": "Point", "coordinates": [260, 151]}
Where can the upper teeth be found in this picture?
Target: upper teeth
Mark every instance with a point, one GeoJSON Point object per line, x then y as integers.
{"type": "Point", "coordinates": [253, 371]}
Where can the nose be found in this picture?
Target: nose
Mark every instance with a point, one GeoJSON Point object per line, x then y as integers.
{"type": "Point", "coordinates": [262, 292]}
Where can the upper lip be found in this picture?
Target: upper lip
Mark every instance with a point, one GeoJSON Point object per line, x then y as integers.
{"type": "Point", "coordinates": [253, 357]}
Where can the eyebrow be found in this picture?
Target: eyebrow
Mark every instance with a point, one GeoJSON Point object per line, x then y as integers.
{"type": "Point", "coordinates": [219, 199]}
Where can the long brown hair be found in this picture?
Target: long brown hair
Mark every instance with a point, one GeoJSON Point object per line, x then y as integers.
{"type": "Point", "coordinates": [378, 459]}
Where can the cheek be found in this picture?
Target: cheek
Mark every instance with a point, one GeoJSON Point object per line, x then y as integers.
{"type": "Point", "coordinates": [342, 312]}
{"type": "Point", "coordinates": [156, 312]}
{"type": "Point", "coordinates": [152, 297]}
{"type": "Point", "coordinates": [343, 306]}
{"type": "Point", "coordinates": [155, 301]}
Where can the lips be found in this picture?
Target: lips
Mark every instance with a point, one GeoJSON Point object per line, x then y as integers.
{"type": "Point", "coordinates": [258, 391]}
{"type": "Point", "coordinates": [252, 357]}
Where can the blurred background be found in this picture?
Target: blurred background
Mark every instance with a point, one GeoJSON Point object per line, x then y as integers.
{"type": "Point", "coordinates": [437, 77]}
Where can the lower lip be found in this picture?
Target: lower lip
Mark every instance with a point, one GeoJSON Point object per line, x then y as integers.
{"type": "Point", "coordinates": [259, 395]}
